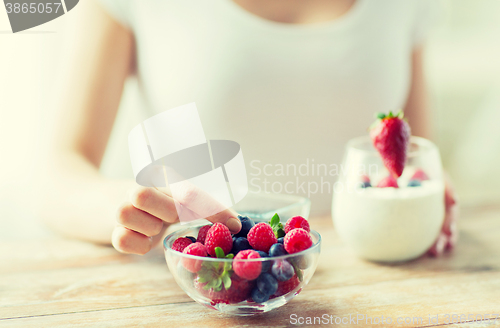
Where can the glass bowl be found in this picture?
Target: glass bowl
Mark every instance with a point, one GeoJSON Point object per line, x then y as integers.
{"type": "Point", "coordinates": [237, 299]}
{"type": "Point", "coordinates": [262, 206]}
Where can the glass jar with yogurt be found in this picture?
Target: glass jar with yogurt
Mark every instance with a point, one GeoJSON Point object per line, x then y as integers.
{"type": "Point", "coordinates": [389, 224]}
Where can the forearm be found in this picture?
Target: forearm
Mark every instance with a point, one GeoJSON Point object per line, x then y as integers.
{"type": "Point", "coordinates": [417, 107]}
{"type": "Point", "coordinates": [76, 201]}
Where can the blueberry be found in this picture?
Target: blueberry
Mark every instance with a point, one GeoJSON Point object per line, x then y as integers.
{"type": "Point", "coordinates": [266, 265]}
{"type": "Point", "coordinates": [258, 296]}
{"type": "Point", "coordinates": [282, 270]}
{"type": "Point", "coordinates": [267, 284]}
{"type": "Point", "coordinates": [365, 184]}
{"type": "Point", "coordinates": [281, 240]}
{"type": "Point", "coordinates": [414, 183]}
{"type": "Point", "coordinates": [191, 238]}
{"type": "Point", "coordinates": [240, 244]}
{"type": "Point", "coordinates": [246, 225]}
{"type": "Point", "coordinates": [277, 250]}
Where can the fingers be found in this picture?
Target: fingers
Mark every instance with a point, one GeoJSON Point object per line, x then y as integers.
{"type": "Point", "coordinates": [439, 245]}
{"type": "Point", "coordinates": [138, 220]}
{"type": "Point", "coordinates": [203, 205]}
{"type": "Point", "coordinates": [130, 242]}
{"type": "Point", "coordinates": [154, 202]}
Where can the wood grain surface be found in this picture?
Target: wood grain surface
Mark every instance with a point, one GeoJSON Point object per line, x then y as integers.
{"type": "Point", "coordinates": [52, 281]}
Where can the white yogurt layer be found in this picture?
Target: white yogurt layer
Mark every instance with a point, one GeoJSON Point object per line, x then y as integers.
{"type": "Point", "coordinates": [389, 224]}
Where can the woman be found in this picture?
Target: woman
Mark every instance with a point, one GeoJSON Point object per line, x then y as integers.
{"type": "Point", "coordinates": [289, 80]}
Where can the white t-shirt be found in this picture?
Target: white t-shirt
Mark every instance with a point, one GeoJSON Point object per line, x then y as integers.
{"type": "Point", "coordinates": [290, 95]}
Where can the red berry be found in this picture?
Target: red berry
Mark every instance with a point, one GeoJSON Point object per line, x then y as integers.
{"type": "Point", "coordinates": [218, 236]}
{"type": "Point", "coordinates": [202, 234]}
{"type": "Point", "coordinates": [181, 243]}
{"type": "Point", "coordinates": [261, 237]}
{"type": "Point", "coordinates": [296, 222]}
{"type": "Point", "coordinates": [388, 181]}
{"type": "Point", "coordinates": [238, 292]}
{"type": "Point", "coordinates": [297, 240]}
{"type": "Point", "coordinates": [284, 287]}
{"type": "Point", "coordinates": [419, 175]}
{"type": "Point", "coordinates": [391, 137]}
{"type": "Point", "coordinates": [196, 249]}
{"type": "Point", "coordinates": [247, 270]}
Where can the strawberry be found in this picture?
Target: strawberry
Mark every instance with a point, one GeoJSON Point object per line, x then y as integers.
{"type": "Point", "coordinates": [284, 287]}
{"type": "Point", "coordinates": [390, 135]}
{"type": "Point", "coordinates": [388, 181]}
{"type": "Point", "coordinates": [238, 291]}
{"type": "Point", "coordinates": [218, 282]}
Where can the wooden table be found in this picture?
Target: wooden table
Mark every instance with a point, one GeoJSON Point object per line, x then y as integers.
{"type": "Point", "coordinates": [50, 281]}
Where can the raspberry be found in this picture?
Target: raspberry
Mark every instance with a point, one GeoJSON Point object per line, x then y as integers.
{"type": "Point", "coordinates": [261, 237]}
{"type": "Point", "coordinates": [284, 287]}
{"type": "Point", "coordinates": [181, 243]}
{"type": "Point", "coordinates": [296, 222]}
{"type": "Point", "coordinates": [388, 181]}
{"type": "Point", "coordinates": [365, 182]}
{"type": "Point", "coordinates": [196, 249]}
{"type": "Point", "coordinates": [419, 175]}
{"type": "Point", "coordinates": [218, 236]}
{"type": "Point", "coordinates": [247, 270]}
{"type": "Point", "coordinates": [202, 234]}
{"type": "Point", "coordinates": [297, 240]}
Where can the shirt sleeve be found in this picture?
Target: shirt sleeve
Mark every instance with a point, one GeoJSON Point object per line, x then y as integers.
{"type": "Point", "coordinates": [428, 13]}
{"type": "Point", "coordinates": [119, 10]}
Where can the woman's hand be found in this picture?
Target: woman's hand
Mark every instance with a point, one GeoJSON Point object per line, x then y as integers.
{"type": "Point", "coordinates": [149, 210]}
{"type": "Point", "coordinates": [449, 232]}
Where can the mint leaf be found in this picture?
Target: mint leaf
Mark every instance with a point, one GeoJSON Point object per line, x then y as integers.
{"type": "Point", "coordinates": [219, 253]}
{"type": "Point", "coordinates": [298, 272]}
{"type": "Point", "coordinates": [279, 231]}
{"type": "Point", "coordinates": [229, 256]}
{"type": "Point", "coordinates": [274, 220]}
{"type": "Point", "coordinates": [277, 226]}
{"type": "Point", "coordinates": [226, 280]}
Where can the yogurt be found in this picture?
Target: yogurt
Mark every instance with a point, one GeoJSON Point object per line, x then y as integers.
{"type": "Point", "coordinates": [389, 224]}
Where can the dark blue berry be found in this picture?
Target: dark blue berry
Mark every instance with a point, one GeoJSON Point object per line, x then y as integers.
{"type": "Point", "coordinates": [240, 244]}
{"type": "Point", "coordinates": [191, 238]}
{"type": "Point", "coordinates": [258, 296]}
{"type": "Point", "coordinates": [282, 270]}
{"type": "Point", "coordinates": [277, 250]}
{"type": "Point", "coordinates": [246, 225]}
{"type": "Point", "coordinates": [281, 240]}
{"type": "Point", "coordinates": [414, 183]}
{"type": "Point", "coordinates": [267, 284]}
{"type": "Point", "coordinates": [266, 265]}
{"type": "Point", "coordinates": [365, 184]}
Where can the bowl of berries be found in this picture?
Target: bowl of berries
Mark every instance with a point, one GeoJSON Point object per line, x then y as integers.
{"type": "Point", "coordinates": [257, 270]}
